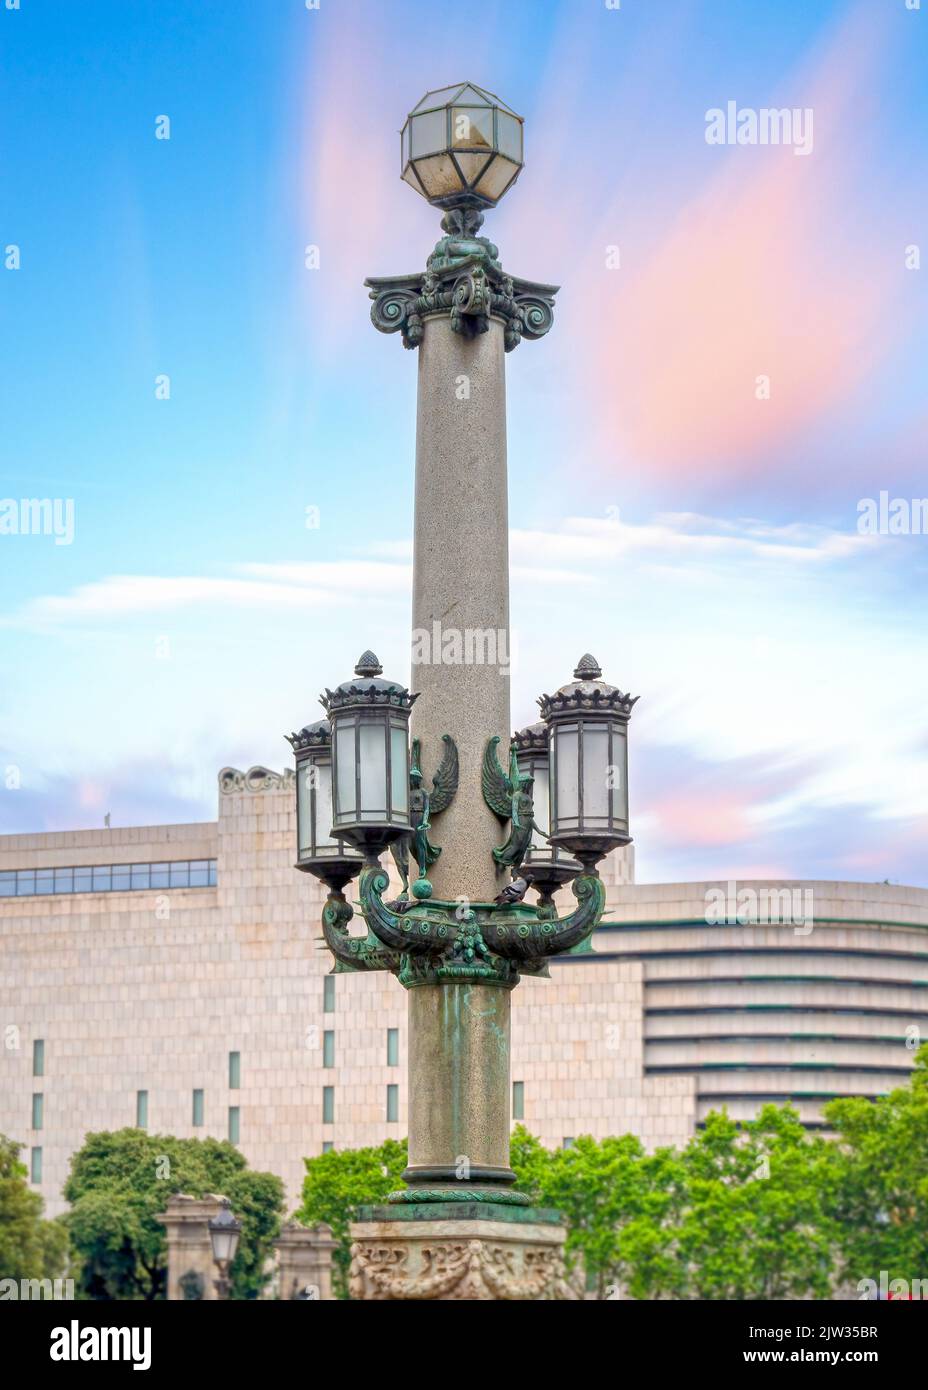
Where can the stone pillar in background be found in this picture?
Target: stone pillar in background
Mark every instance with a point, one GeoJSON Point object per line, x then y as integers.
{"type": "Point", "coordinates": [304, 1261]}
{"type": "Point", "coordinates": [191, 1269]}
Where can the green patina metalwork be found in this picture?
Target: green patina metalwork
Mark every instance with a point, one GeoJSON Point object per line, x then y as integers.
{"type": "Point", "coordinates": [474, 1210]}
{"type": "Point", "coordinates": [499, 1196]}
{"type": "Point", "coordinates": [509, 796]}
{"type": "Point", "coordinates": [423, 805]}
{"type": "Point", "coordinates": [436, 941]}
{"type": "Point", "coordinates": [464, 279]}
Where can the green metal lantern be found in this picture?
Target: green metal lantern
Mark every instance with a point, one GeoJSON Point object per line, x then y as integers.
{"type": "Point", "coordinates": [370, 757]}
{"type": "Point", "coordinates": [546, 866]}
{"type": "Point", "coordinates": [461, 147]}
{"type": "Point", "coordinates": [587, 724]}
{"type": "Point", "coordinates": [319, 852]}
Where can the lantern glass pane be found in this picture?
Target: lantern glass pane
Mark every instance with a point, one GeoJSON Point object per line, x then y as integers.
{"type": "Point", "coordinates": [399, 773]}
{"type": "Point", "coordinates": [542, 810]}
{"type": "Point", "coordinates": [471, 166]}
{"type": "Point", "coordinates": [568, 800]}
{"type": "Point", "coordinates": [345, 769]}
{"type": "Point", "coordinates": [497, 178]}
{"type": "Point", "coordinates": [473, 97]}
{"type": "Point", "coordinates": [304, 828]}
{"type": "Point", "coordinates": [595, 773]}
{"type": "Point", "coordinates": [372, 757]}
{"type": "Point", "coordinates": [439, 175]}
{"type": "Point", "coordinates": [324, 803]}
{"type": "Point", "coordinates": [471, 128]}
{"type": "Point", "coordinates": [619, 794]}
{"type": "Point", "coordinates": [428, 133]}
{"type": "Point", "coordinates": [509, 136]}
{"type": "Point", "coordinates": [223, 1245]}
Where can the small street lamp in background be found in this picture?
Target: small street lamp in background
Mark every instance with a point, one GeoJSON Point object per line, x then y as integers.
{"type": "Point", "coordinates": [224, 1232]}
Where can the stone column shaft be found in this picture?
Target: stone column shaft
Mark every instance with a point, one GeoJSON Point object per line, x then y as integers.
{"type": "Point", "coordinates": [461, 587]}
{"type": "Point", "coordinates": [458, 1083]}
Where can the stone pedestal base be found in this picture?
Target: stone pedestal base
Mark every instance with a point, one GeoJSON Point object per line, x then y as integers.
{"type": "Point", "coordinates": [477, 1251]}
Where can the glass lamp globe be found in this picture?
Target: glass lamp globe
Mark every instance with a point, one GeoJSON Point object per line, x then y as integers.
{"type": "Point", "coordinates": [461, 147]}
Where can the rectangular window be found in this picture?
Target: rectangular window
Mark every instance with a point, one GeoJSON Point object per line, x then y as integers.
{"type": "Point", "coordinates": [160, 876]}
{"type": "Point", "coordinates": [139, 876]}
{"type": "Point", "coordinates": [393, 1047]}
{"type": "Point", "coordinates": [235, 1070]}
{"type": "Point", "coordinates": [35, 1165]}
{"type": "Point", "coordinates": [328, 994]}
{"type": "Point", "coordinates": [180, 875]}
{"type": "Point", "coordinates": [328, 1048]}
{"type": "Point", "coordinates": [198, 1108]}
{"type": "Point", "coordinates": [102, 878]}
{"type": "Point", "coordinates": [568, 1143]}
{"type": "Point", "coordinates": [233, 1124]}
{"type": "Point", "coordinates": [393, 1104]}
{"type": "Point", "coordinates": [108, 878]}
{"type": "Point", "coordinates": [141, 1109]}
{"type": "Point", "coordinates": [328, 1105]}
{"type": "Point", "coordinates": [25, 883]}
{"type": "Point", "coordinates": [38, 1110]}
{"type": "Point", "coordinates": [327, 1146]}
{"type": "Point", "coordinates": [518, 1100]}
{"type": "Point", "coordinates": [199, 873]}
{"type": "Point", "coordinates": [38, 1057]}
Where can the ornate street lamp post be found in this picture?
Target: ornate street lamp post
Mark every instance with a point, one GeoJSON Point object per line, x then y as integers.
{"type": "Point", "coordinates": [224, 1232]}
{"type": "Point", "coordinates": [460, 935]}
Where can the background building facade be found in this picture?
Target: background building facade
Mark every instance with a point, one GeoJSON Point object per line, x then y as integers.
{"type": "Point", "coordinates": [174, 977]}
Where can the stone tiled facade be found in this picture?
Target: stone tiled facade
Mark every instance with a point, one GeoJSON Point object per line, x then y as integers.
{"type": "Point", "coordinates": [152, 990]}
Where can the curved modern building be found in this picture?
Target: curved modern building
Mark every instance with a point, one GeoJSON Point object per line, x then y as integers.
{"type": "Point", "coordinates": [834, 1003]}
{"type": "Point", "coordinates": [174, 977]}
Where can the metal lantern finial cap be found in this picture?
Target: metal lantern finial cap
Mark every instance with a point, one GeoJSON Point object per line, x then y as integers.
{"type": "Point", "coordinates": [588, 669]}
{"type": "Point", "coordinates": [368, 665]}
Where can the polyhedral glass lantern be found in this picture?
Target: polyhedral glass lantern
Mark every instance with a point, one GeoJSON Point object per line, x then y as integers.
{"type": "Point", "coordinates": [461, 147]}
{"type": "Point", "coordinates": [319, 852]}
{"type": "Point", "coordinates": [370, 757]}
{"type": "Point", "coordinates": [587, 723]}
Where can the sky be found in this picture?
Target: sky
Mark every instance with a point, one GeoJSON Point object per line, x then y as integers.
{"type": "Point", "coordinates": [737, 362]}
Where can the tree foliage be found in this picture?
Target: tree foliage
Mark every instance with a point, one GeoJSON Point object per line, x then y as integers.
{"type": "Point", "coordinates": [120, 1182]}
{"type": "Point", "coordinates": [337, 1183]}
{"type": "Point", "coordinates": [30, 1247]}
{"type": "Point", "coordinates": [879, 1196]}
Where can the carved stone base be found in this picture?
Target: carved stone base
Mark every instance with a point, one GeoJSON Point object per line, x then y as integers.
{"type": "Point", "coordinates": [467, 1251]}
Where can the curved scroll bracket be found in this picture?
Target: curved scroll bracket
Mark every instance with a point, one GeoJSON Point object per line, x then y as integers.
{"type": "Point", "coordinates": [352, 952]}
{"type": "Point", "coordinates": [533, 940]}
{"type": "Point", "coordinates": [419, 932]}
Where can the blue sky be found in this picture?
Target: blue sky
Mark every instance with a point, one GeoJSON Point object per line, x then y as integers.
{"type": "Point", "coordinates": [702, 543]}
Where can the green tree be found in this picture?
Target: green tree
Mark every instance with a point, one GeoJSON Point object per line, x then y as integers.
{"type": "Point", "coordinates": [879, 1196]}
{"type": "Point", "coordinates": [738, 1213]}
{"type": "Point", "coordinates": [30, 1247]}
{"type": "Point", "coordinates": [749, 1218]}
{"type": "Point", "coordinates": [120, 1181]}
{"type": "Point", "coordinates": [340, 1181]}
